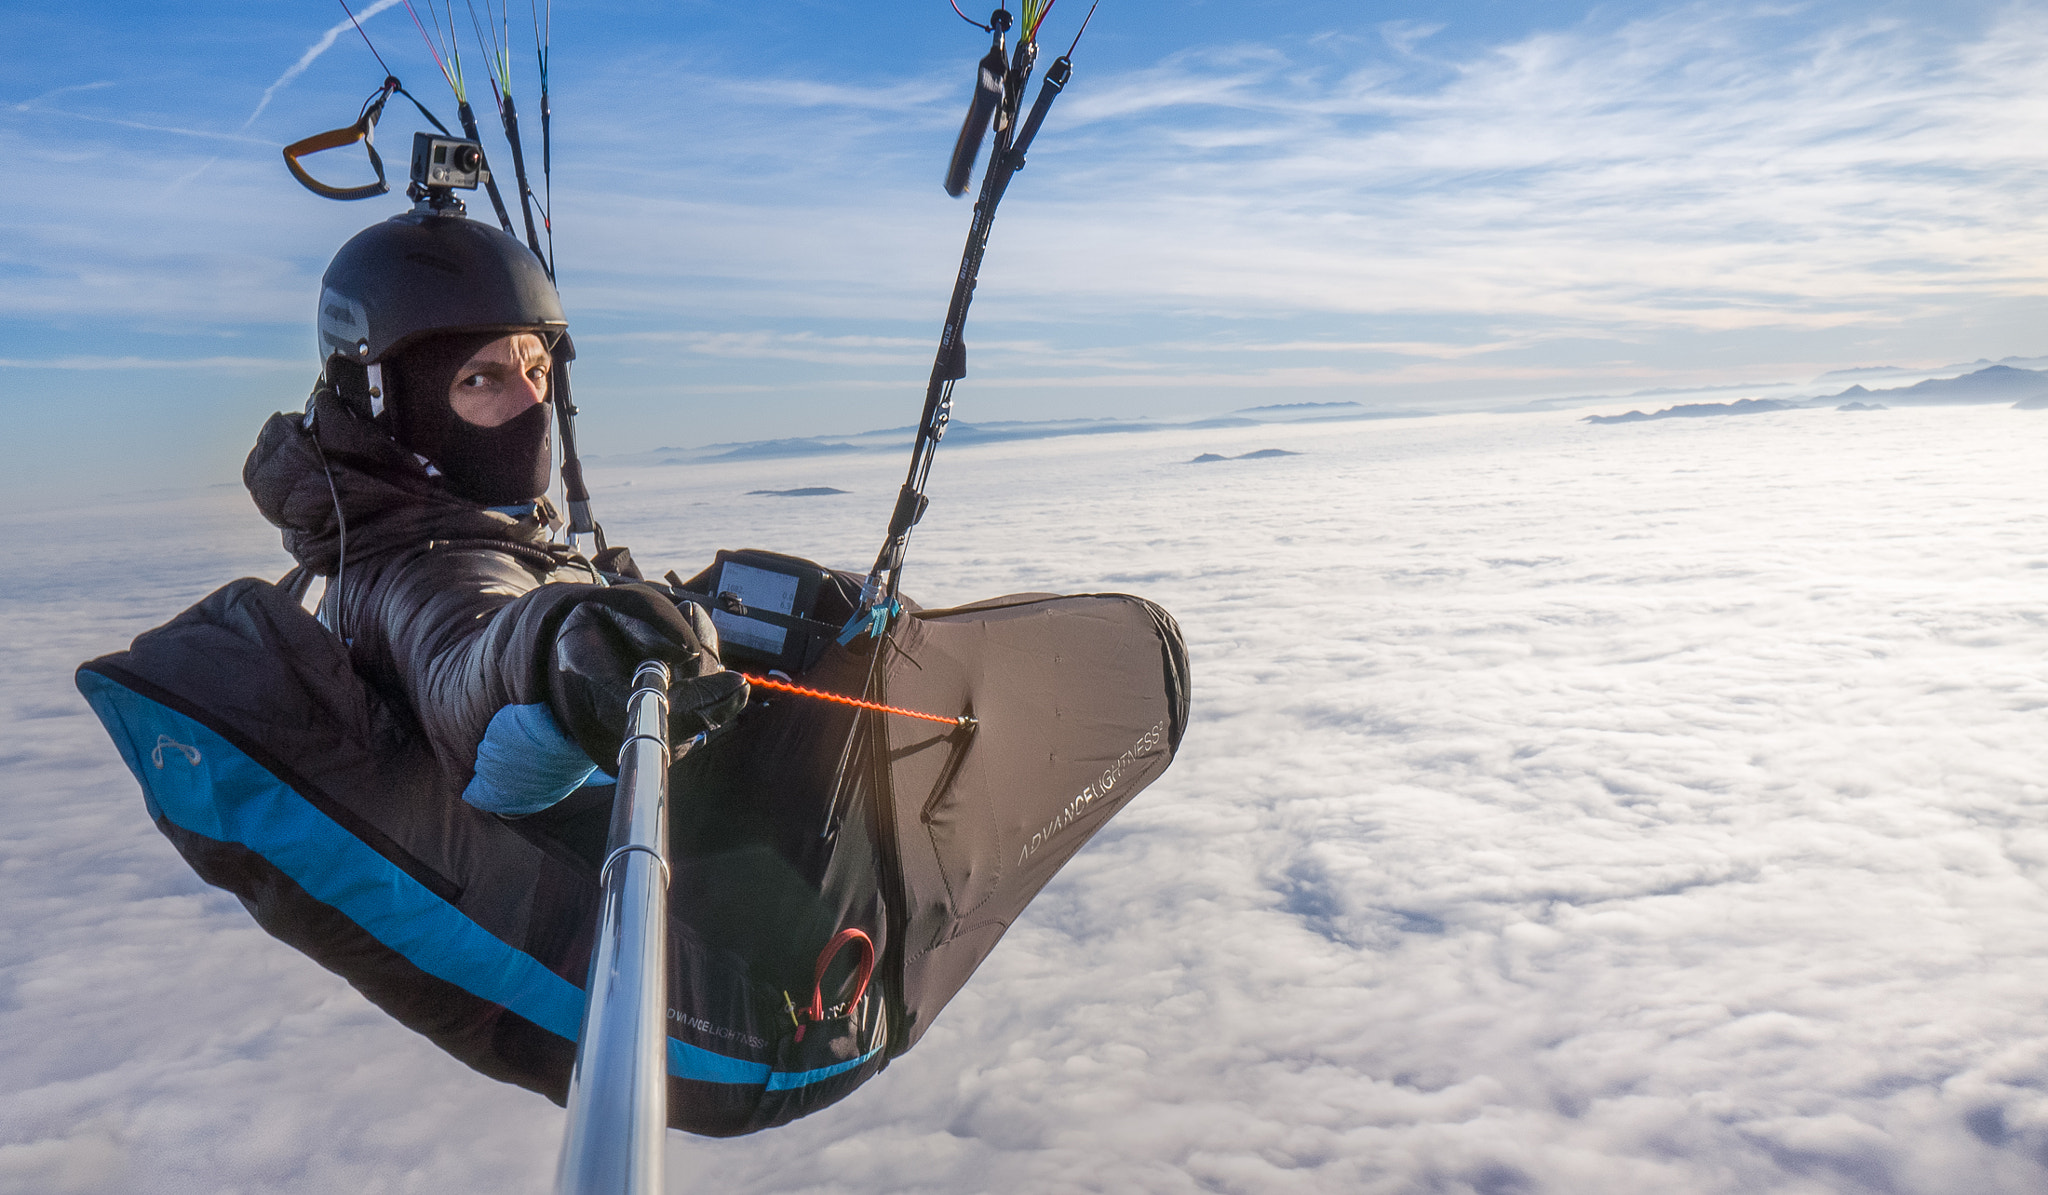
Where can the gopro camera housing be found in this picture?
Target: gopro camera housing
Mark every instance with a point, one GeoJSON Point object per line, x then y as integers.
{"type": "Point", "coordinates": [448, 162]}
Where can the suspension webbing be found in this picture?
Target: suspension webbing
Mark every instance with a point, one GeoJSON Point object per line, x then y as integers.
{"type": "Point", "coordinates": [996, 99]}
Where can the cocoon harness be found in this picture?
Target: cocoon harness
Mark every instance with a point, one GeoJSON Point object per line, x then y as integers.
{"type": "Point", "coordinates": [812, 844]}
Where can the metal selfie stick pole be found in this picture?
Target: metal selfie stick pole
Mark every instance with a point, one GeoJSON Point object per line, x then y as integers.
{"type": "Point", "coordinates": [618, 1093]}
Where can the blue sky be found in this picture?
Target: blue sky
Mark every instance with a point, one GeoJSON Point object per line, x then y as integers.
{"type": "Point", "coordinates": [1236, 203]}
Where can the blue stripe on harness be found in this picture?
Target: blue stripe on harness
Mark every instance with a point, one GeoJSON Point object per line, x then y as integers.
{"type": "Point", "coordinates": [785, 1080]}
{"type": "Point", "coordinates": [200, 781]}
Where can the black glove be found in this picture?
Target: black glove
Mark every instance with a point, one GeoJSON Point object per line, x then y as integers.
{"type": "Point", "coordinates": [603, 641]}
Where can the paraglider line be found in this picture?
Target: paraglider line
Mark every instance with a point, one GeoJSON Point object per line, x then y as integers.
{"type": "Point", "coordinates": [1036, 18]}
{"type": "Point", "coordinates": [968, 19]}
{"type": "Point", "coordinates": [454, 76]}
{"type": "Point", "coordinates": [366, 37]}
{"type": "Point", "coordinates": [542, 39]}
{"type": "Point", "coordinates": [497, 48]}
{"type": "Point", "coordinates": [341, 521]}
{"type": "Point", "coordinates": [1083, 29]}
{"type": "Point", "coordinates": [963, 720]}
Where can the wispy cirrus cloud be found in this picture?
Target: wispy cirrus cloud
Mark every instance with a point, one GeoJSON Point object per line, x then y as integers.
{"type": "Point", "coordinates": [1400, 348]}
{"type": "Point", "coordinates": [909, 96]}
{"type": "Point", "coordinates": [35, 101]}
{"type": "Point", "coordinates": [1701, 170]}
{"type": "Point", "coordinates": [1560, 213]}
{"type": "Point", "coordinates": [92, 364]}
{"type": "Point", "coordinates": [314, 51]}
{"type": "Point", "coordinates": [778, 346]}
{"type": "Point", "coordinates": [1710, 169]}
{"type": "Point", "coordinates": [142, 126]}
{"type": "Point", "coordinates": [1678, 196]}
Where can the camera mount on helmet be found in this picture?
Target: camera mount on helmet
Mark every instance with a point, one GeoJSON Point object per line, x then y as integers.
{"type": "Point", "coordinates": [441, 165]}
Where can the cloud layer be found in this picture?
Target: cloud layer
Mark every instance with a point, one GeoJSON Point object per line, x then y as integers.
{"type": "Point", "coordinates": [1568, 808]}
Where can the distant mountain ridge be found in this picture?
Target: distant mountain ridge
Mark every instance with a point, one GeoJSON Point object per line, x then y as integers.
{"type": "Point", "coordinates": [2025, 389]}
{"type": "Point", "coordinates": [896, 439]}
{"type": "Point", "coordinates": [1953, 369]}
{"type": "Point", "coordinates": [1697, 410]}
{"type": "Point", "coordinates": [1263, 454]}
{"type": "Point", "coordinates": [1996, 383]}
{"type": "Point", "coordinates": [1285, 408]}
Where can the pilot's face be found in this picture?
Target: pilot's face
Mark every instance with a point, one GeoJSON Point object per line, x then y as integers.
{"type": "Point", "coordinates": [501, 380]}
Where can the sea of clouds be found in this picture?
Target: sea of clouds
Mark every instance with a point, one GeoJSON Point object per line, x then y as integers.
{"type": "Point", "coordinates": [1648, 808]}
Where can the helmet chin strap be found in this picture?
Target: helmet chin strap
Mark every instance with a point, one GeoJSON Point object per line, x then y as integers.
{"type": "Point", "coordinates": [376, 389]}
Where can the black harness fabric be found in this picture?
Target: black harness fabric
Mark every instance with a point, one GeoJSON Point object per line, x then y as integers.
{"type": "Point", "coordinates": [248, 663]}
{"type": "Point", "coordinates": [930, 842]}
{"type": "Point", "coordinates": [1080, 702]}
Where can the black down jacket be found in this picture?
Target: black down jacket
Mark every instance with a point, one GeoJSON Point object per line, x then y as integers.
{"type": "Point", "coordinates": [448, 609]}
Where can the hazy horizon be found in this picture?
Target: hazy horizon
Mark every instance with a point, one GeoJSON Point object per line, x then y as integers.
{"type": "Point", "coordinates": [1231, 205]}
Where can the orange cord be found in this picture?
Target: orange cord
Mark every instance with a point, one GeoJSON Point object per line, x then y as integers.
{"type": "Point", "coordinates": [820, 694]}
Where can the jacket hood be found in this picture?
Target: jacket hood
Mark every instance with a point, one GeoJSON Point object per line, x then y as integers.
{"type": "Point", "coordinates": [387, 499]}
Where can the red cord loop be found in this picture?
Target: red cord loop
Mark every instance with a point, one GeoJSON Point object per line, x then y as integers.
{"type": "Point", "coordinates": [865, 969]}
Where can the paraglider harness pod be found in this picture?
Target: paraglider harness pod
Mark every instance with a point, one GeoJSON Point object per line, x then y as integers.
{"type": "Point", "coordinates": [281, 776]}
{"type": "Point", "coordinates": [743, 928]}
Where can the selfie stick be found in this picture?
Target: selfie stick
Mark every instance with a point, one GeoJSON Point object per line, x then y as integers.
{"type": "Point", "coordinates": [618, 1093]}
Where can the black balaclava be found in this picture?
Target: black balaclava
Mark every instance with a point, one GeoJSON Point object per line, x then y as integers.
{"type": "Point", "coordinates": [496, 466]}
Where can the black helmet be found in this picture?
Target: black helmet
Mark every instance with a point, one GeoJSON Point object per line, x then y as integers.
{"type": "Point", "coordinates": [402, 306]}
{"type": "Point", "coordinates": [423, 274]}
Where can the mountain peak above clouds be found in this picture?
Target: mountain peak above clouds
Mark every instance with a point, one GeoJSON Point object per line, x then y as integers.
{"type": "Point", "coordinates": [1698, 410]}
{"type": "Point", "coordinates": [1993, 383]}
{"type": "Point", "coordinates": [1293, 406]}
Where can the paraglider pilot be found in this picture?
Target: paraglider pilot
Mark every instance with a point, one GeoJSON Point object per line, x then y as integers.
{"type": "Point", "coordinates": [416, 480]}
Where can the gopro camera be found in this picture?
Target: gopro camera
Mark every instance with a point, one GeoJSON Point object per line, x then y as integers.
{"type": "Point", "coordinates": [448, 162]}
